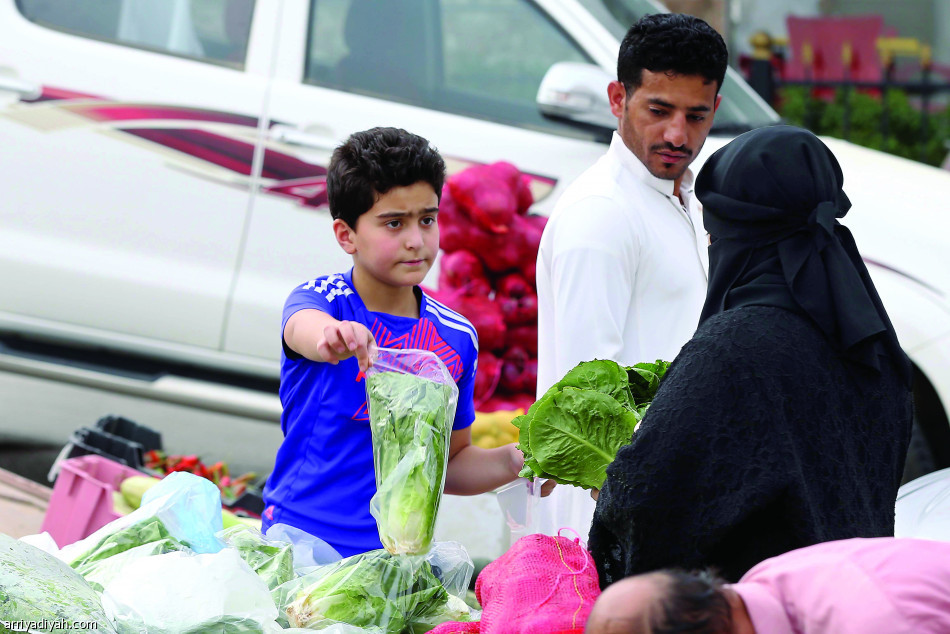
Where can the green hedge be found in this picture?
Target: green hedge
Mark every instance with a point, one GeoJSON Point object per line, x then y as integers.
{"type": "Point", "coordinates": [826, 117]}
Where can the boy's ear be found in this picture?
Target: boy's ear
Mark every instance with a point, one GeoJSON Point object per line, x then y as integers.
{"type": "Point", "coordinates": [345, 235]}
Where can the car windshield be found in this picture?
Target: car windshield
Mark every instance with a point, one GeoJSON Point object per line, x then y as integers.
{"type": "Point", "coordinates": [741, 108]}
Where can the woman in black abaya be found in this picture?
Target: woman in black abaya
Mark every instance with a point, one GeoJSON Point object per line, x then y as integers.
{"type": "Point", "coordinates": [785, 420]}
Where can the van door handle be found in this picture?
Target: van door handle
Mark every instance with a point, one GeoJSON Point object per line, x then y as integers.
{"type": "Point", "coordinates": [25, 89]}
{"type": "Point", "coordinates": [316, 137]}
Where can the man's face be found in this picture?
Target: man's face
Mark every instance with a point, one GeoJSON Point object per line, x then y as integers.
{"type": "Point", "coordinates": [665, 121]}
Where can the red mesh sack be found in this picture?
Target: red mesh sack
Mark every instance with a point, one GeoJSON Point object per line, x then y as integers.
{"type": "Point", "coordinates": [455, 228]}
{"type": "Point", "coordinates": [486, 195]}
{"type": "Point", "coordinates": [487, 377]}
{"type": "Point", "coordinates": [457, 628]}
{"type": "Point", "coordinates": [542, 584]}
{"type": "Point", "coordinates": [463, 270]}
{"type": "Point", "coordinates": [484, 314]}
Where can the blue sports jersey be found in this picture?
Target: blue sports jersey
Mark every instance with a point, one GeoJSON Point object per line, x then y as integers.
{"type": "Point", "coordinates": [323, 475]}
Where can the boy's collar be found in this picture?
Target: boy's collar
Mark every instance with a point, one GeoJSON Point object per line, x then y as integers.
{"type": "Point", "coordinates": [421, 299]}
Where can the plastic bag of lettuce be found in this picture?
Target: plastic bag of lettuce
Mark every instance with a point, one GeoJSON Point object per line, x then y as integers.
{"type": "Point", "coordinates": [392, 594]}
{"type": "Point", "coordinates": [575, 429]}
{"type": "Point", "coordinates": [272, 560]}
{"type": "Point", "coordinates": [411, 398]}
{"type": "Point", "coordinates": [39, 588]}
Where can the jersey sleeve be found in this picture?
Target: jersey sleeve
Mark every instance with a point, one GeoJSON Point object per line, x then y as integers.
{"type": "Point", "coordinates": [304, 296]}
{"type": "Point", "coordinates": [465, 411]}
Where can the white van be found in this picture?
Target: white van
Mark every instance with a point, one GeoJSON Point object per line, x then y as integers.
{"type": "Point", "coordinates": [163, 161]}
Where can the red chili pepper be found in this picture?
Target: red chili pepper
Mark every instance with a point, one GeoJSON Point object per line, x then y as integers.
{"type": "Point", "coordinates": [189, 461]}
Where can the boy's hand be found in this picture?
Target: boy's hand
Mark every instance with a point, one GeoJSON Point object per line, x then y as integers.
{"type": "Point", "coordinates": [516, 461]}
{"type": "Point", "coordinates": [345, 339]}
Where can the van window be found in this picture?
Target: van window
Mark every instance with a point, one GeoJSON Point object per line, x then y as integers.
{"type": "Point", "coordinates": [209, 30]}
{"type": "Point", "coordinates": [501, 47]}
{"type": "Point", "coordinates": [481, 58]}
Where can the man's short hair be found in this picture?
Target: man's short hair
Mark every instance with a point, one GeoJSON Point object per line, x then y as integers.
{"type": "Point", "coordinates": [671, 43]}
{"type": "Point", "coordinates": [692, 602]}
{"type": "Point", "coordinates": [372, 162]}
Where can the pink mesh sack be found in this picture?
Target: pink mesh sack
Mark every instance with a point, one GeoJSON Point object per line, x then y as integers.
{"type": "Point", "coordinates": [542, 584]}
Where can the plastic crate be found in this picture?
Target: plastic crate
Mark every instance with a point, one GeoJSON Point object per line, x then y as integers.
{"type": "Point", "coordinates": [124, 428]}
{"type": "Point", "coordinates": [81, 502]}
{"type": "Point", "coordinates": [88, 440]}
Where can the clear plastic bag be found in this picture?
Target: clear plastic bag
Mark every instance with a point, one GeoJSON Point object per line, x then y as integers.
{"type": "Point", "coordinates": [182, 506]}
{"type": "Point", "coordinates": [182, 592]}
{"type": "Point", "coordinates": [35, 587]}
{"type": "Point", "coordinates": [309, 551]}
{"type": "Point", "coordinates": [922, 509]}
{"type": "Point", "coordinates": [519, 502]}
{"type": "Point", "coordinates": [392, 593]}
{"type": "Point", "coordinates": [452, 565]}
{"type": "Point", "coordinates": [411, 398]}
{"type": "Point", "coordinates": [272, 560]}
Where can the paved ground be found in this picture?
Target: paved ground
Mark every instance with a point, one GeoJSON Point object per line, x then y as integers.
{"type": "Point", "coordinates": [23, 504]}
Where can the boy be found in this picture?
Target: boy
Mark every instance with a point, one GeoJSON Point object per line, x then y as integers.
{"type": "Point", "coordinates": [384, 187]}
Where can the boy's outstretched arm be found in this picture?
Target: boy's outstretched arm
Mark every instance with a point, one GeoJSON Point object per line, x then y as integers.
{"type": "Point", "coordinates": [313, 334]}
{"type": "Point", "coordinates": [473, 470]}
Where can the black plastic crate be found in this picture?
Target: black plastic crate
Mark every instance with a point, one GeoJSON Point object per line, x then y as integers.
{"type": "Point", "coordinates": [87, 440]}
{"type": "Point", "coordinates": [248, 501]}
{"type": "Point", "coordinates": [148, 438]}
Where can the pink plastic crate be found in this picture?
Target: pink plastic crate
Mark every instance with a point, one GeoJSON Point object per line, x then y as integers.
{"type": "Point", "coordinates": [82, 497]}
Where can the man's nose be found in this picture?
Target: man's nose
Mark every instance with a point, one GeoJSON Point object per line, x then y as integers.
{"type": "Point", "coordinates": [675, 133]}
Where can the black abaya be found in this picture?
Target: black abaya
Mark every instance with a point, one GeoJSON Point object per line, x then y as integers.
{"type": "Point", "coordinates": [761, 439]}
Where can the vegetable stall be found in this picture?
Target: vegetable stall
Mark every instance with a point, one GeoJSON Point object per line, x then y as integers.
{"type": "Point", "coordinates": [168, 557]}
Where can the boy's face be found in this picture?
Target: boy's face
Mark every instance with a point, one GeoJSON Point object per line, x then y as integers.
{"type": "Point", "coordinates": [397, 240]}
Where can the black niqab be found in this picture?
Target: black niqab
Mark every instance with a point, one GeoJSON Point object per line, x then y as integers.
{"type": "Point", "coordinates": [771, 199]}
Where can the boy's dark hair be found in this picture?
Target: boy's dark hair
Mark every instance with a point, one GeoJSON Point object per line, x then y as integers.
{"type": "Point", "coordinates": [671, 43]}
{"type": "Point", "coordinates": [694, 602]}
{"type": "Point", "coordinates": [370, 163]}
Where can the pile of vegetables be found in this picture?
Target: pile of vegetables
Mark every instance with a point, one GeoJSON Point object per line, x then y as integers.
{"type": "Point", "coordinates": [156, 571]}
{"type": "Point", "coordinates": [375, 589]}
{"type": "Point", "coordinates": [410, 421]}
{"type": "Point", "coordinates": [575, 429]}
{"type": "Point", "coordinates": [494, 429]}
{"type": "Point", "coordinates": [131, 489]}
{"type": "Point", "coordinates": [37, 587]}
{"type": "Point", "coordinates": [487, 273]}
{"type": "Point", "coordinates": [116, 549]}
{"type": "Point", "coordinates": [231, 488]}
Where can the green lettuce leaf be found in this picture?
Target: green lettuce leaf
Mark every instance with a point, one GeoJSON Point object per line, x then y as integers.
{"type": "Point", "coordinates": [600, 375]}
{"type": "Point", "coordinates": [577, 433]}
{"type": "Point", "coordinates": [575, 429]}
{"type": "Point", "coordinates": [147, 531]}
{"type": "Point", "coordinates": [644, 379]}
